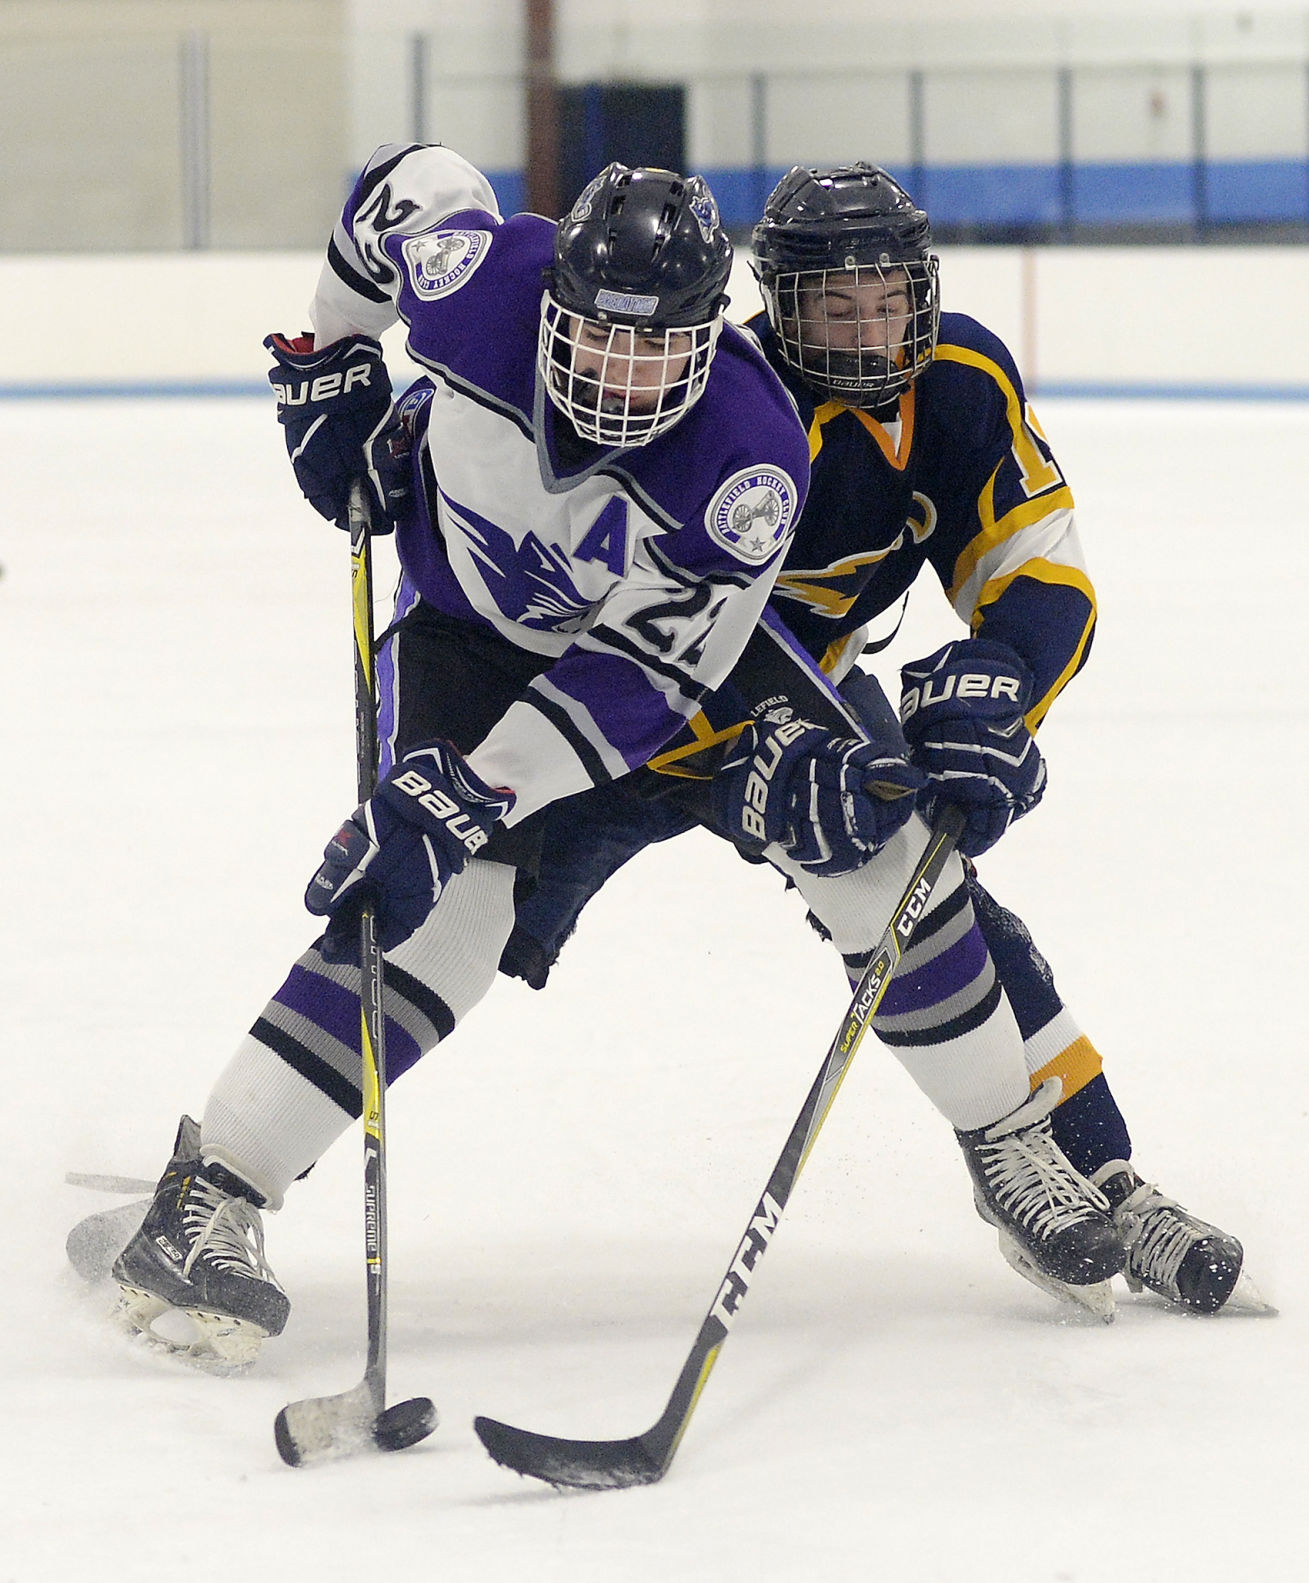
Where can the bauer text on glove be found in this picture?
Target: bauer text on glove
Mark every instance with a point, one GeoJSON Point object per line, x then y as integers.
{"type": "Point", "coordinates": [829, 802]}
{"type": "Point", "coordinates": [400, 848]}
{"type": "Point", "coordinates": [335, 409]}
{"type": "Point", "coordinates": [962, 713]}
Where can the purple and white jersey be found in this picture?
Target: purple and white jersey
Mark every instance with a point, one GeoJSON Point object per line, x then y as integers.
{"type": "Point", "coordinates": [639, 573]}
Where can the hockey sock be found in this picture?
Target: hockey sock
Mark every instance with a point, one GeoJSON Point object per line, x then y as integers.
{"type": "Point", "coordinates": [293, 1085]}
{"type": "Point", "coordinates": [1090, 1128]}
{"type": "Point", "coordinates": [1088, 1125]}
{"type": "Point", "coordinates": [945, 1013]}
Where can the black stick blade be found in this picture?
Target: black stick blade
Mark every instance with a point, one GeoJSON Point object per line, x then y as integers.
{"type": "Point", "coordinates": [576, 1464]}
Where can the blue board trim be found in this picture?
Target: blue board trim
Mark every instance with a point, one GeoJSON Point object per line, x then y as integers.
{"type": "Point", "coordinates": [153, 390]}
{"type": "Point", "coordinates": [1103, 194]}
{"type": "Point", "coordinates": [135, 390]}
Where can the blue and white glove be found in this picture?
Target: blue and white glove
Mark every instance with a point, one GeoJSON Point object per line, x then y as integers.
{"type": "Point", "coordinates": [829, 802]}
{"type": "Point", "coordinates": [962, 714]}
{"type": "Point", "coordinates": [400, 848]}
{"type": "Point", "coordinates": [335, 409]}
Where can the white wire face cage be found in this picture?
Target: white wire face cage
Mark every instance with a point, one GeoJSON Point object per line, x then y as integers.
{"type": "Point", "coordinates": [861, 334]}
{"type": "Point", "coordinates": [617, 386]}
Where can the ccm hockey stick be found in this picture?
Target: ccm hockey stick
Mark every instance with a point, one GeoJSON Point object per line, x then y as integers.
{"type": "Point", "coordinates": [322, 1428]}
{"type": "Point", "coordinates": [644, 1459]}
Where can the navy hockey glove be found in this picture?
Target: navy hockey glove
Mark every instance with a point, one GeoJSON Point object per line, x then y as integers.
{"type": "Point", "coordinates": [335, 410]}
{"type": "Point", "coordinates": [400, 848]}
{"type": "Point", "coordinates": [829, 802]}
{"type": "Point", "coordinates": [962, 713]}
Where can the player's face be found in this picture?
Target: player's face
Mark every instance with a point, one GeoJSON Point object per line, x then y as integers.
{"type": "Point", "coordinates": [864, 313]}
{"type": "Point", "coordinates": [616, 385]}
{"type": "Point", "coordinates": [633, 371]}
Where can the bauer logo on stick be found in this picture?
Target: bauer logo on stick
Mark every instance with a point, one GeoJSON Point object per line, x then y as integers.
{"type": "Point", "coordinates": [443, 261]}
{"type": "Point", "coordinates": [751, 514]}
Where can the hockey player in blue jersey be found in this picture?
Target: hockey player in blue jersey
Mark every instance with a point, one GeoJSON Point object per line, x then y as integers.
{"type": "Point", "coordinates": [592, 491]}
{"type": "Point", "coordinates": [925, 454]}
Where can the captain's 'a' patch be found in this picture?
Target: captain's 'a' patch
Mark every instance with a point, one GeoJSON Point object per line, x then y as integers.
{"type": "Point", "coordinates": [751, 514]}
{"type": "Point", "coordinates": [439, 262]}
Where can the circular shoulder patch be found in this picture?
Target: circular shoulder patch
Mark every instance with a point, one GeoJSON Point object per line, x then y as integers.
{"type": "Point", "coordinates": [441, 261]}
{"type": "Point", "coordinates": [751, 514]}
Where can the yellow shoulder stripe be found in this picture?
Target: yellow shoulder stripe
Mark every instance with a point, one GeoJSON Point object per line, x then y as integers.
{"type": "Point", "coordinates": [1039, 473]}
{"type": "Point", "coordinates": [1040, 476]}
{"type": "Point", "coordinates": [994, 533]}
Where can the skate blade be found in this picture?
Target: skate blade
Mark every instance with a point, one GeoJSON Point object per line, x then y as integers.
{"type": "Point", "coordinates": [1096, 1299]}
{"type": "Point", "coordinates": [1246, 1298]}
{"type": "Point", "coordinates": [218, 1343]}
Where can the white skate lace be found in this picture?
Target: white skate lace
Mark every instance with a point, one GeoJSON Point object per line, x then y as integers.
{"type": "Point", "coordinates": [1158, 1235]}
{"type": "Point", "coordinates": [227, 1230]}
{"type": "Point", "coordinates": [1028, 1172]}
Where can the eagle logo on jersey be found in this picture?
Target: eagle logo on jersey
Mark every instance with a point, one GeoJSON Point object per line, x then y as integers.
{"type": "Point", "coordinates": [529, 582]}
{"type": "Point", "coordinates": [751, 514]}
{"type": "Point", "coordinates": [442, 261]}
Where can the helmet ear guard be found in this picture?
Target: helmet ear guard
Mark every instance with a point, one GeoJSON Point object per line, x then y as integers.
{"type": "Point", "coordinates": [633, 306]}
{"type": "Point", "coordinates": [843, 261]}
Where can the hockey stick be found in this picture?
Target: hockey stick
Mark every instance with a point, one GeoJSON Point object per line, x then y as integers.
{"type": "Point", "coordinates": [95, 1241]}
{"type": "Point", "coordinates": [322, 1428]}
{"type": "Point", "coordinates": [108, 1184]}
{"type": "Point", "coordinates": [644, 1459]}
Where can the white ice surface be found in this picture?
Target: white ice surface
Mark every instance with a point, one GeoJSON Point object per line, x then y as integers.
{"type": "Point", "coordinates": [570, 1177]}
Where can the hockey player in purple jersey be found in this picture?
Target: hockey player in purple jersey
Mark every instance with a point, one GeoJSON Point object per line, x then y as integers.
{"type": "Point", "coordinates": [592, 491]}
{"type": "Point", "coordinates": [925, 453]}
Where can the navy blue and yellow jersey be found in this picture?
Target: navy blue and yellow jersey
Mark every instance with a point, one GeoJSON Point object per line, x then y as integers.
{"type": "Point", "coordinates": [962, 479]}
{"type": "Point", "coordinates": [959, 478]}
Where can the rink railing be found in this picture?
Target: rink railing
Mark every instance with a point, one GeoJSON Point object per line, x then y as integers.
{"type": "Point", "coordinates": [1139, 321]}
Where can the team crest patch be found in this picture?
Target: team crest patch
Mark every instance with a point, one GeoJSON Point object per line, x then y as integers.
{"type": "Point", "coordinates": [751, 514]}
{"type": "Point", "coordinates": [442, 261]}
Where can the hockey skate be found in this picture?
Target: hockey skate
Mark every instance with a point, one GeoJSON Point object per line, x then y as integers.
{"type": "Point", "coordinates": [1055, 1228]}
{"type": "Point", "coordinates": [1171, 1252]}
{"type": "Point", "coordinates": [194, 1278]}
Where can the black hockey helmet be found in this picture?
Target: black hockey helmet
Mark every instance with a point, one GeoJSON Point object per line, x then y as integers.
{"type": "Point", "coordinates": [634, 303]}
{"type": "Point", "coordinates": [643, 247]}
{"type": "Point", "coordinates": [843, 259]}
